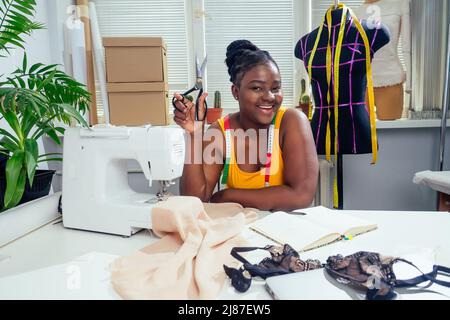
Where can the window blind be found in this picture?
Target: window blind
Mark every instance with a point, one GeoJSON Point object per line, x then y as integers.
{"type": "Point", "coordinates": [320, 7]}
{"type": "Point", "coordinates": [268, 24]}
{"type": "Point", "coordinates": [429, 47]}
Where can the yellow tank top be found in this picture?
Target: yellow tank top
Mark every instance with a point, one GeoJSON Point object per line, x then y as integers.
{"type": "Point", "coordinates": [238, 179]}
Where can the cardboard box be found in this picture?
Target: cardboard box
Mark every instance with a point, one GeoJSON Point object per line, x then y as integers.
{"type": "Point", "coordinates": [135, 59]}
{"type": "Point", "coordinates": [136, 104]}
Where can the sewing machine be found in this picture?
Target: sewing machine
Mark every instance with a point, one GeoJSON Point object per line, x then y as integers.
{"type": "Point", "coordinates": [96, 194]}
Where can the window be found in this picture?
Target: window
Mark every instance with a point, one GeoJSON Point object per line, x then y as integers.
{"type": "Point", "coordinates": [320, 7]}
{"type": "Point", "coordinates": [429, 55]}
{"type": "Point", "coordinates": [210, 25]}
{"type": "Point", "coordinates": [268, 24]}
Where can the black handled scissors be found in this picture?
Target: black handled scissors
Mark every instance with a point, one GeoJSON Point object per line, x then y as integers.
{"type": "Point", "coordinates": [200, 73]}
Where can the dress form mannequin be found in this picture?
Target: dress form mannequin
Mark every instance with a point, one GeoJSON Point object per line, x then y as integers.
{"type": "Point", "coordinates": [356, 132]}
{"type": "Point", "coordinates": [388, 73]}
{"type": "Point", "coordinates": [354, 135]}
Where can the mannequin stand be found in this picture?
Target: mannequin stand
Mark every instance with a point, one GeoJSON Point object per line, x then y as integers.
{"type": "Point", "coordinates": [340, 182]}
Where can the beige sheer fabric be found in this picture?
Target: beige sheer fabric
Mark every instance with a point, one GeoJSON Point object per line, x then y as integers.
{"type": "Point", "coordinates": [187, 263]}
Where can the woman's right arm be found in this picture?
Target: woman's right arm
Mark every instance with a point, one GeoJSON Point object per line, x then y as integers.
{"type": "Point", "coordinates": [204, 157]}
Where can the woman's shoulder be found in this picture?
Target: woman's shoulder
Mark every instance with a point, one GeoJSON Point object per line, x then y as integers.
{"type": "Point", "coordinates": [220, 123]}
{"type": "Point", "coordinates": [293, 117]}
{"type": "Point", "coordinates": [294, 121]}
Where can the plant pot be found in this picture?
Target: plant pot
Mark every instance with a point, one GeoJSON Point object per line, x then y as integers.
{"type": "Point", "coordinates": [213, 115]}
{"type": "Point", "coordinates": [3, 159]}
{"type": "Point", "coordinates": [304, 107]}
{"type": "Point", "coordinates": [24, 218]}
{"type": "Point", "coordinates": [41, 186]}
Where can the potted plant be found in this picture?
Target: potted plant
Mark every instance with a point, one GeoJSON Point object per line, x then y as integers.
{"type": "Point", "coordinates": [304, 103]}
{"type": "Point", "coordinates": [216, 112]}
{"type": "Point", "coordinates": [35, 100]}
{"type": "Point", "coordinates": [190, 98]}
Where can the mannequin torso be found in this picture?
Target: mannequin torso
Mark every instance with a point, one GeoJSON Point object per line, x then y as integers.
{"type": "Point", "coordinates": [394, 14]}
{"type": "Point", "coordinates": [354, 135]}
{"type": "Point", "coordinates": [388, 72]}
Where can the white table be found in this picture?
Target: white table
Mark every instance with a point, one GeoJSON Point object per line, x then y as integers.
{"type": "Point", "coordinates": [397, 233]}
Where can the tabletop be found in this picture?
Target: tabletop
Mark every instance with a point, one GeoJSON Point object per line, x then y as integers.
{"type": "Point", "coordinates": [31, 261]}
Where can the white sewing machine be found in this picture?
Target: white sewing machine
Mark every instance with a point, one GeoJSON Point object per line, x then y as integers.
{"type": "Point", "coordinates": [96, 194]}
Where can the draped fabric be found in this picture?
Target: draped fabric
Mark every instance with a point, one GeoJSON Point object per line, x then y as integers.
{"type": "Point", "coordinates": [187, 263]}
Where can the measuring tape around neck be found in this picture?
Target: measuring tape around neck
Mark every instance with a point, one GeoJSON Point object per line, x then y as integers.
{"type": "Point", "coordinates": [269, 153]}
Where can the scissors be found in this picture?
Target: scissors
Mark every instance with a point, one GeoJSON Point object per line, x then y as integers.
{"type": "Point", "coordinates": [200, 73]}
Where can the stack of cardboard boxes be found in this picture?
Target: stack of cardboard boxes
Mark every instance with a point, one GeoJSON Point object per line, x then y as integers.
{"type": "Point", "coordinates": [136, 75]}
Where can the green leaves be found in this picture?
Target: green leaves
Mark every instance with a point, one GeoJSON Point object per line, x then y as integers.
{"type": "Point", "coordinates": [53, 85]}
{"type": "Point", "coordinates": [15, 179]}
{"type": "Point", "coordinates": [16, 22]}
{"type": "Point", "coordinates": [34, 100]}
{"type": "Point", "coordinates": [31, 158]}
{"type": "Point", "coordinates": [11, 117]}
{"type": "Point", "coordinates": [10, 137]}
{"type": "Point", "coordinates": [70, 110]}
{"type": "Point", "coordinates": [24, 62]}
{"type": "Point", "coordinates": [8, 144]}
{"type": "Point", "coordinates": [29, 114]}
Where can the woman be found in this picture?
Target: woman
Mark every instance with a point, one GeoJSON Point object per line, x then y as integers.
{"type": "Point", "coordinates": [285, 177]}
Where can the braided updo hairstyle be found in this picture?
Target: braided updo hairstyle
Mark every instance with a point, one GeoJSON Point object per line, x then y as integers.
{"type": "Point", "coordinates": [242, 55]}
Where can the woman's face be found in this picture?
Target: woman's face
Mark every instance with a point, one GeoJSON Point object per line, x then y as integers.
{"type": "Point", "coordinates": [259, 94]}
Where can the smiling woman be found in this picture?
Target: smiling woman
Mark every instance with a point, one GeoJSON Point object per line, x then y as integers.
{"type": "Point", "coordinates": [285, 176]}
{"type": "Point", "coordinates": [265, 153]}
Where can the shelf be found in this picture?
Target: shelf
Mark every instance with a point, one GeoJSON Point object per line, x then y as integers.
{"type": "Point", "coordinates": [410, 124]}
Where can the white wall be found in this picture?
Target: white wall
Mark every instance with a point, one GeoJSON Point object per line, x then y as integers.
{"type": "Point", "coordinates": [388, 184]}
{"type": "Point", "coordinates": [59, 12]}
